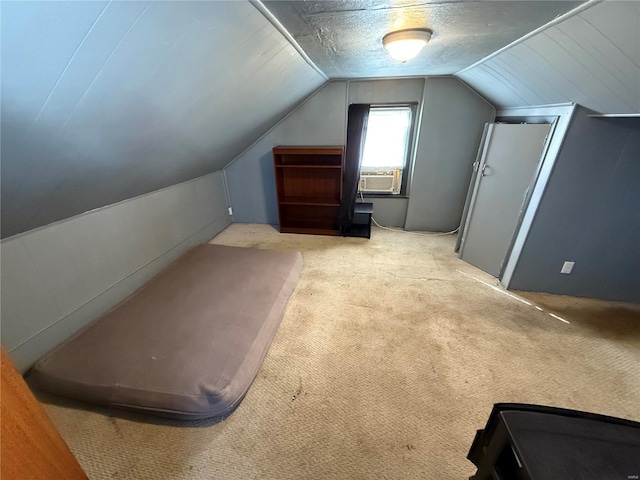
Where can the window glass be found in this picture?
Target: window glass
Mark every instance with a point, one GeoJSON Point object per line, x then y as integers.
{"type": "Point", "coordinates": [387, 138]}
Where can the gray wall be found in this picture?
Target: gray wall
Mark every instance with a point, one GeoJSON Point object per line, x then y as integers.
{"type": "Point", "coordinates": [388, 211]}
{"type": "Point", "coordinates": [57, 278]}
{"type": "Point", "coordinates": [453, 119]}
{"type": "Point", "coordinates": [103, 101]}
{"type": "Point", "coordinates": [322, 121]}
{"type": "Point", "coordinates": [592, 58]}
{"type": "Point", "coordinates": [386, 91]}
{"type": "Point", "coordinates": [251, 180]}
{"type": "Point", "coordinates": [589, 214]}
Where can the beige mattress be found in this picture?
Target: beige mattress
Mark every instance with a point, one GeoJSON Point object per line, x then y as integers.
{"type": "Point", "coordinates": [188, 344]}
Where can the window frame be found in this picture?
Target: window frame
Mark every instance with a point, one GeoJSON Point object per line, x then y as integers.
{"type": "Point", "coordinates": [408, 165]}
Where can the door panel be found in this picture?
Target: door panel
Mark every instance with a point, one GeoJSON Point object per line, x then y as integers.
{"type": "Point", "coordinates": [471, 189]}
{"type": "Point", "coordinates": [506, 170]}
{"type": "Point", "coordinates": [31, 447]}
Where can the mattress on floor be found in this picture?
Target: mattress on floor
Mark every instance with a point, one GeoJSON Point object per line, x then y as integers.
{"type": "Point", "coordinates": [186, 345]}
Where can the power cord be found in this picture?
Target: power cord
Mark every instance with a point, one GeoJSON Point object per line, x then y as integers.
{"type": "Point", "coordinates": [443, 234]}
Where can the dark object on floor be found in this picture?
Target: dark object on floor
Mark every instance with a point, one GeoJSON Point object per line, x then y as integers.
{"type": "Point", "coordinates": [361, 225]}
{"type": "Point", "coordinates": [533, 442]}
{"type": "Point", "coordinates": [188, 344]}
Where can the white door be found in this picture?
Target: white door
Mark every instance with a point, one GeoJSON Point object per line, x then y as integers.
{"type": "Point", "coordinates": [506, 170]}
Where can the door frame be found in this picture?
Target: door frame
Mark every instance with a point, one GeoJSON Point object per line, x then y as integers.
{"type": "Point", "coordinates": [478, 175]}
{"type": "Point", "coordinates": [474, 184]}
{"type": "Point", "coordinates": [560, 115]}
{"type": "Point", "coordinates": [467, 203]}
{"type": "Point", "coordinates": [528, 194]}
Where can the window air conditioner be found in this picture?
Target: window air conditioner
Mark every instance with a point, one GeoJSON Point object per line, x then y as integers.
{"type": "Point", "coordinates": [386, 181]}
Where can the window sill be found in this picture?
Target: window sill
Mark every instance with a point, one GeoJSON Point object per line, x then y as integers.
{"type": "Point", "coordinates": [383, 195]}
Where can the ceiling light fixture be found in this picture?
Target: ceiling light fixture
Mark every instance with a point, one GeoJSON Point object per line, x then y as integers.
{"type": "Point", "coordinates": [403, 45]}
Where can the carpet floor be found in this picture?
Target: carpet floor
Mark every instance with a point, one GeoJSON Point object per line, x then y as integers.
{"type": "Point", "coordinates": [390, 355]}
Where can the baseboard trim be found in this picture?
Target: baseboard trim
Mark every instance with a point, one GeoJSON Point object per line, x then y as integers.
{"type": "Point", "coordinates": [25, 354]}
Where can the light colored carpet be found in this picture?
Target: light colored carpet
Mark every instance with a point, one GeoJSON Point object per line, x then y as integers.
{"type": "Point", "coordinates": [390, 355]}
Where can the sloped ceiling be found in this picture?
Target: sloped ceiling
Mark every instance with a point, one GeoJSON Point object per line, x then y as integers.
{"type": "Point", "coordinates": [591, 58]}
{"type": "Point", "coordinates": [344, 38]}
{"type": "Point", "coordinates": [514, 53]}
{"type": "Point", "coordinates": [103, 101]}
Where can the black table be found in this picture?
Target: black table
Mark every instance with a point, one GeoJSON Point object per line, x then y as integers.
{"type": "Point", "coordinates": [361, 226]}
{"type": "Point", "coordinates": [533, 442]}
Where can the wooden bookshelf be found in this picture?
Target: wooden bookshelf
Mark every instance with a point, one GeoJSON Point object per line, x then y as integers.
{"type": "Point", "coordinates": [309, 188]}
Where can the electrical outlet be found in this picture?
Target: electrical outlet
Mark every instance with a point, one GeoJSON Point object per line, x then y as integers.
{"type": "Point", "coordinates": [230, 211]}
{"type": "Point", "coordinates": [567, 267]}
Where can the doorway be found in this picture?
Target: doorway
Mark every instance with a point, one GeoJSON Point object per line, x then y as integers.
{"type": "Point", "coordinates": [505, 170]}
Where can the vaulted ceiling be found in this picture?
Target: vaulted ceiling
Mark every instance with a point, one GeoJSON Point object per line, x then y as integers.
{"type": "Point", "coordinates": [591, 58]}
{"type": "Point", "coordinates": [344, 38]}
{"type": "Point", "coordinates": [514, 53]}
{"type": "Point", "coordinates": [103, 101]}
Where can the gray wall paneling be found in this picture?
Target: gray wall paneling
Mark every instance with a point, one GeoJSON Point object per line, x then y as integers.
{"type": "Point", "coordinates": [390, 211]}
{"type": "Point", "coordinates": [386, 91]}
{"type": "Point", "coordinates": [591, 58]}
{"type": "Point", "coordinates": [322, 121]}
{"type": "Point", "coordinates": [250, 177]}
{"type": "Point", "coordinates": [319, 121]}
{"type": "Point", "coordinates": [58, 278]}
{"type": "Point", "coordinates": [589, 214]}
{"type": "Point", "coordinates": [560, 117]}
{"type": "Point", "coordinates": [104, 101]}
{"type": "Point", "coordinates": [453, 119]}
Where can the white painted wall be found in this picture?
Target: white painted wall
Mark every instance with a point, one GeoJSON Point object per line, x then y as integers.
{"type": "Point", "coordinates": [58, 278]}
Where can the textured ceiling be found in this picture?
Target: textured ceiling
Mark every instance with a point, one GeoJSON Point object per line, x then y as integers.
{"type": "Point", "coordinates": [344, 38]}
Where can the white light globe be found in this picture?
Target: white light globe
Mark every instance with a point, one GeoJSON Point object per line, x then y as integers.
{"type": "Point", "coordinates": [406, 44]}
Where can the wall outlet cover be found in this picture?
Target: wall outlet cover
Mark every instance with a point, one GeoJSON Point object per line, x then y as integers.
{"type": "Point", "coordinates": [230, 211]}
{"type": "Point", "coordinates": [567, 267]}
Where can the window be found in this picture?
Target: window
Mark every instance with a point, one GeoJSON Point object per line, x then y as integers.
{"type": "Point", "coordinates": [386, 150]}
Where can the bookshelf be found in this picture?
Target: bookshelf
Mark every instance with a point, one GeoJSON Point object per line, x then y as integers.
{"type": "Point", "coordinates": [309, 188]}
